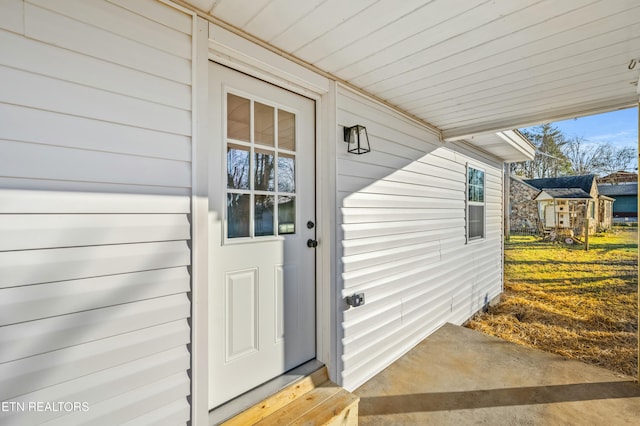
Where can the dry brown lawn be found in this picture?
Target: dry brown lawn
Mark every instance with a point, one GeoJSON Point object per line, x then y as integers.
{"type": "Point", "coordinates": [565, 300]}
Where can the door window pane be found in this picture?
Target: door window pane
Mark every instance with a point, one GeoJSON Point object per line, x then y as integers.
{"type": "Point", "coordinates": [263, 215]}
{"type": "Point", "coordinates": [238, 215]}
{"type": "Point", "coordinates": [237, 167]}
{"type": "Point", "coordinates": [264, 170]}
{"type": "Point", "coordinates": [286, 173]}
{"type": "Point", "coordinates": [286, 130]}
{"type": "Point", "coordinates": [286, 215]}
{"type": "Point", "coordinates": [263, 121]}
{"type": "Point", "coordinates": [238, 118]}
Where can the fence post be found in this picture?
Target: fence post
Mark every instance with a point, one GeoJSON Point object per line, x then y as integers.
{"type": "Point", "coordinates": [586, 233]}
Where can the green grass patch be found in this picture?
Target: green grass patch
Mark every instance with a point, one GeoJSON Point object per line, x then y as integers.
{"type": "Point", "coordinates": [576, 303]}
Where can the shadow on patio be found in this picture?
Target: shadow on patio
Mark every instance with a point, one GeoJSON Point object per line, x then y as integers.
{"type": "Point", "coordinates": [458, 376]}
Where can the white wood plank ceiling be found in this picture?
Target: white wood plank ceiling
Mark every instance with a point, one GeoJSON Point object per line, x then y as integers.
{"type": "Point", "coordinates": [464, 66]}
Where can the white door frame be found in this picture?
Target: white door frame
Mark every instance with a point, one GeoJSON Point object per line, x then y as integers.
{"type": "Point", "coordinates": [273, 275]}
{"type": "Point", "coordinates": [224, 47]}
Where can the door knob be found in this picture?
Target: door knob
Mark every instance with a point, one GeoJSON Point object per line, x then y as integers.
{"type": "Point", "coordinates": [312, 243]}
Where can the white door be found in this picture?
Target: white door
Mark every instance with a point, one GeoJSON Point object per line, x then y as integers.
{"type": "Point", "coordinates": [261, 226]}
{"type": "Point", "coordinates": [550, 216]}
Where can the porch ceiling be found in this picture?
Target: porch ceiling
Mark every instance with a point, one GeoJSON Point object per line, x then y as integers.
{"type": "Point", "coordinates": [466, 67]}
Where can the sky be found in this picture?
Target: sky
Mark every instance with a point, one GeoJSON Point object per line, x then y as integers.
{"type": "Point", "coordinates": [620, 128]}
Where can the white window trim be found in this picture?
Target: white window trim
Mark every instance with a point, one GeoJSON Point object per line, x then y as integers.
{"type": "Point", "coordinates": [475, 203]}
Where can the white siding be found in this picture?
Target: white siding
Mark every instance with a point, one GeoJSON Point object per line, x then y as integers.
{"type": "Point", "coordinates": [401, 237]}
{"type": "Point", "coordinates": [95, 183]}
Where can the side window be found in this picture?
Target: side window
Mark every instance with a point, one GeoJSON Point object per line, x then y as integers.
{"type": "Point", "coordinates": [475, 204]}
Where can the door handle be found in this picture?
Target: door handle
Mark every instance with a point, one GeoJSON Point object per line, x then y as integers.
{"type": "Point", "coordinates": [312, 243]}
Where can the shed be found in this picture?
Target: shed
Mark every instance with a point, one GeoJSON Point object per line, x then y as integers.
{"type": "Point", "coordinates": [566, 202]}
{"type": "Point", "coordinates": [625, 208]}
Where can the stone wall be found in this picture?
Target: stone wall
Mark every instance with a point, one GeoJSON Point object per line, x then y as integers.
{"type": "Point", "coordinates": [523, 209]}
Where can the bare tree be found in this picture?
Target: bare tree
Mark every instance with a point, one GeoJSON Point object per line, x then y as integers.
{"type": "Point", "coordinates": [600, 158]}
{"type": "Point", "coordinates": [558, 156]}
{"type": "Point", "coordinates": [584, 158]}
{"type": "Point", "coordinates": [617, 159]}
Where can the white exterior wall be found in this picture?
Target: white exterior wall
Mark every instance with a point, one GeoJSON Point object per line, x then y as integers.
{"type": "Point", "coordinates": [401, 237]}
{"type": "Point", "coordinates": [95, 215]}
{"type": "Point", "coordinates": [95, 186]}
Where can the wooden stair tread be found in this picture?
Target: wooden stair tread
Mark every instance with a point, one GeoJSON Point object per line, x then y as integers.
{"type": "Point", "coordinates": [280, 399]}
{"type": "Point", "coordinates": [302, 405]}
{"type": "Point", "coordinates": [341, 409]}
{"type": "Point", "coordinates": [313, 400]}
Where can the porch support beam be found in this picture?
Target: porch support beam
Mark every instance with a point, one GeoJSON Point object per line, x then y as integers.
{"type": "Point", "coordinates": [638, 241]}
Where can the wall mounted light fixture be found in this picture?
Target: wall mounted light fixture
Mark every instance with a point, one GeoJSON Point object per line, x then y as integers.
{"type": "Point", "coordinates": [357, 139]}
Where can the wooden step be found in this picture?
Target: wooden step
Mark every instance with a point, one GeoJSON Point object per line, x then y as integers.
{"type": "Point", "coordinates": [313, 400]}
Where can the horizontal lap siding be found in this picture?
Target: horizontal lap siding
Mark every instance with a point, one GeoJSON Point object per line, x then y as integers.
{"type": "Point", "coordinates": [401, 232]}
{"type": "Point", "coordinates": [95, 184]}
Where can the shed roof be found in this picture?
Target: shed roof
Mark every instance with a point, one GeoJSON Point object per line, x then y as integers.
{"type": "Point", "coordinates": [523, 182]}
{"type": "Point", "coordinates": [584, 182]}
{"type": "Point", "coordinates": [568, 193]}
{"type": "Point", "coordinates": [618, 190]}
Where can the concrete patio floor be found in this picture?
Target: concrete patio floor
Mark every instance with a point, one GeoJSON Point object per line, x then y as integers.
{"type": "Point", "coordinates": [459, 376]}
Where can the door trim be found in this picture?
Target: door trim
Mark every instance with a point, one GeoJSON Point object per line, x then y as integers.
{"type": "Point", "coordinates": [213, 43]}
{"type": "Point", "coordinates": [231, 50]}
{"type": "Point", "coordinates": [199, 223]}
{"type": "Point", "coordinates": [274, 289]}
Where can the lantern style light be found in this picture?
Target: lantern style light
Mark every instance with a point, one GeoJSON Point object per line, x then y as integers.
{"type": "Point", "coordinates": [357, 139]}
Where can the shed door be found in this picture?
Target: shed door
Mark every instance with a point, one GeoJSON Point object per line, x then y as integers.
{"type": "Point", "coordinates": [262, 214]}
{"type": "Point", "coordinates": [549, 216]}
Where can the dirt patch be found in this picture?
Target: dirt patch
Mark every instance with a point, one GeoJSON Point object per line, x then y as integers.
{"type": "Point", "coordinates": [564, 300]}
